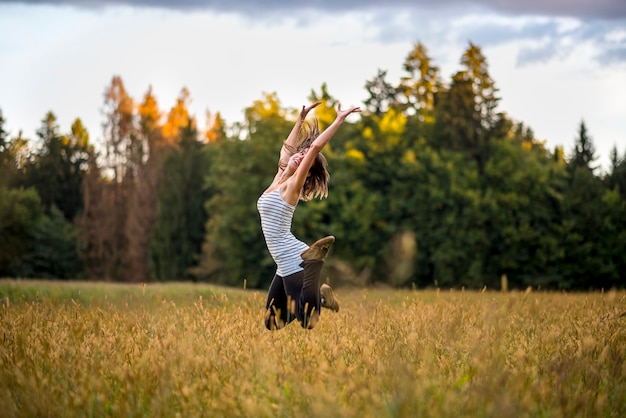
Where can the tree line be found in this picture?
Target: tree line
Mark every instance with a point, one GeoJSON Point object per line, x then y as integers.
{"type": "Point", "coordinates": [433, 186]}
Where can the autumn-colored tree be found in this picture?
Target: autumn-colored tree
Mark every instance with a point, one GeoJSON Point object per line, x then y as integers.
{"type": "Point", "coordinates": [95, 223]}
{"type": "Point", "coordinates": [431, 187]}
{"type": "Point", "coordinates": [178, 117]}
{"type": "Point", "coordinates": [421, 84]}
{"type": "Point", "coordinates": [215, 127]}
{"type": "Point", "coordinates": [107, 188]}
{"type": "Point", "coordinates": [483, 86]}
{"type": "Point", "coordinates": [143, 193]}
{"type": "Point", "coordinates": [325, 112]}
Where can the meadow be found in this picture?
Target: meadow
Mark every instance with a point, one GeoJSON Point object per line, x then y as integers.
{"type": "Point", "coordinates": [72, 349]}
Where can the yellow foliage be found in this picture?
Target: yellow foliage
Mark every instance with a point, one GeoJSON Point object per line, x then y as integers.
{"type": "Point", "coordinates": [368, 133]}
{"type": "Point", "coordinates": [214, 127]}
{"type": "Point", "coordinates": [355, 154]}
{"type": "Point", "coordinates": [178, 117]}
{"type": "Point", "coordinates": [149, 111]}
{"type": "Point", "coordinates": [409, 156]}
{"type": "Point", "coordinates": [266, 107]}
{"type": "Point", "coordinates": [393, 123]}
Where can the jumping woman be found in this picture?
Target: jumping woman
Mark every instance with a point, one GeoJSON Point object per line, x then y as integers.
{"type": "Point", "coordinates": [295, 291]}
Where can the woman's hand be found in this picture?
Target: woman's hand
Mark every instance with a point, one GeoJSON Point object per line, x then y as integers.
{"type": "Point", "coordinates": [342, 114]}
{"type": "Point", "coordinates": [305, 110]}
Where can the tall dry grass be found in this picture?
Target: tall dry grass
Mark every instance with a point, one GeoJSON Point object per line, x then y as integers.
{"type": "Point", "coordinates": [190, 350]}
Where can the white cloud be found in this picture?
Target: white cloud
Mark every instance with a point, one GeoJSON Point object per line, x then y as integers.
{"type": "Point", "coordinates": [61, 59]}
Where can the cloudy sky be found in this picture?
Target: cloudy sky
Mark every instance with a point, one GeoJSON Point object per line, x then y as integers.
{"type": "Point", "coordinates": [555, 62]}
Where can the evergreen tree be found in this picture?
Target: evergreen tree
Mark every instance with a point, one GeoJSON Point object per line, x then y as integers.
{"type": "Point", "coordinates": [584, 150]}
{"type": "Point", "coordinates": [20, 212]}
{"type": "Point", "coordinates": [234, 248]}
{"type": "Point", "coordinates": [57, 168]}
{"type": "Point", "coordinates": [422, 83]}
{"type": "Point", "coordinates": [584, 241]}
{"type": "Point", "coordinates": [4, 135]}
{"type": "Point", "coordinates": [523, 200]}
{"type": "Point", "coordinates": [483, 86]}
{"type": "Point", "coordinates": [54, 252]}
{"type": "Point", "coordinates": [6, 160]}
{"type": "Point", "coordinates": [617, 176]}
{"type": "Point", "coordinates": [613, 221]}
{"type": "Point", "coordinates": [179, 229]}
{"type": "Point", "coordinates": [456, 125]}
{"type": "Point", "coordinates": [466, 116]}
{"type": "Point", "coordinates": [382, 94]}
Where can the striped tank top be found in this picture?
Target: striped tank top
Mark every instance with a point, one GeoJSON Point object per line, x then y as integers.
{"type": "Point", "coordinates": [284, 247]}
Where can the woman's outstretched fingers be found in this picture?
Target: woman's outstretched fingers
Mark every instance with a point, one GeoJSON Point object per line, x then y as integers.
{"type": "Point", "coordinates": [306, 109]}
{"type": "Point", "coordinates": [343, 113]}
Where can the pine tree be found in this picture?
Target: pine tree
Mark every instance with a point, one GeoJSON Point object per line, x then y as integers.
{"type": "Point", "coordinates": [420, 87]}
{"type": "Point", "coordinates": [617, 175]}
{"type": "Point", "coordinates": [382, 94]}
{"type": "Point", "coordinates": [584, 150]}
{"type": "Point", "coordinates": [179, 228]}
{"type": "Point", "coordinates": [57, 168]}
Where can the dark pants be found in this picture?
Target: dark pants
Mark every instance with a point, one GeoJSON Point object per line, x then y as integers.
{"type": "Point", "coordinates": [296, 296]}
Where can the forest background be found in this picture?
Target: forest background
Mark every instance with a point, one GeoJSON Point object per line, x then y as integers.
{"type": "Point", "coordinates": [433, 186]}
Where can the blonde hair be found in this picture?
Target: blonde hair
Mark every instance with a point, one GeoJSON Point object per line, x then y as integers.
{"type": "Point", "coordinates": [316, 183]}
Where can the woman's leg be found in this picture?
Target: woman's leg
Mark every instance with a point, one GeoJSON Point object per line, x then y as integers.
{"type": "Point", "coordinates": [304, 288]}
{"type": "Point", "coordinates": [277, 313]}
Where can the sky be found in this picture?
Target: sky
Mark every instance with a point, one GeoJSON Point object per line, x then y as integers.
{"type": "Point", "coordinates": [555, 62]}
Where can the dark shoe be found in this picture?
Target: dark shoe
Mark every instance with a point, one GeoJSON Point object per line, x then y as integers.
{"type": "Point", "coordinates": [328, 298]}
{"type": "Point", "coordinates": [319, 249]}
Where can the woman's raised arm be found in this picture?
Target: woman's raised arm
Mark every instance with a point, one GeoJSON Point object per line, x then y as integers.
{"type": "Point", "coordinates": [290, 146]}
{"type": "Point", "coordinates": [296, 182]}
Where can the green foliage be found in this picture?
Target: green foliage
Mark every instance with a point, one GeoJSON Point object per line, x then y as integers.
{"type": "Point", "coordinates": [584, 150]}
{"type": "Point", "coordinates": [523, 200]}
{"type": "Point", "coordinates": [33, 244]}
{"type": "Point", "coordinates": [54, 253]}
{"type": "Point", "coordinates": [57, 168]}
{"type": "Point", "coordinates": [616, 179]}
{"type": "Point", "coordinates": [240, 170]}
{"type": "Point", "coordinates": [421, 84]}
{"type": "Point", "coordinates": [382, 95]}
{"type": "Point", "coordinates": [586, 234]}
{"type": "Point", "coordinates": [433, 186]}
{"type": "Point", "coordinates": [20, 211]}
{"type": "Point", "coordinates": [179, 229]}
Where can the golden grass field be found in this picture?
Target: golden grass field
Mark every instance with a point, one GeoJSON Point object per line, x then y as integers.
{"type": "Point", "coordinates": [94, 349]}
